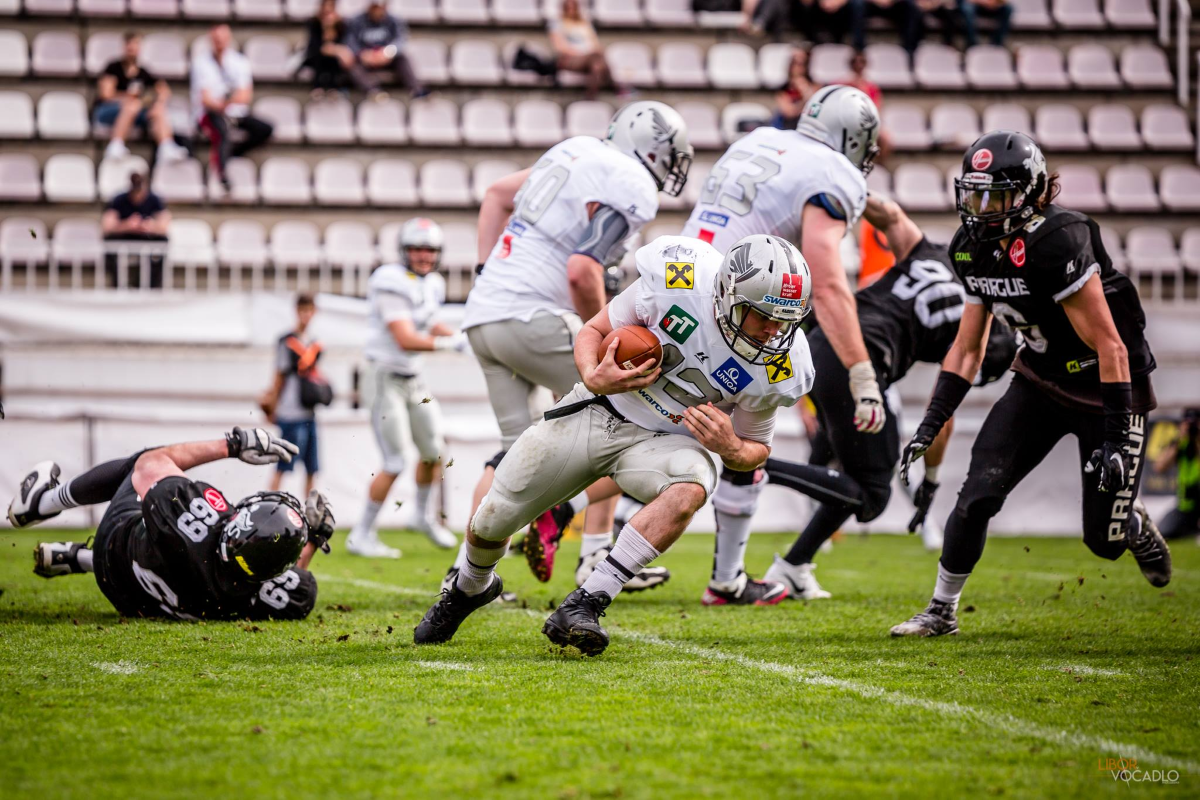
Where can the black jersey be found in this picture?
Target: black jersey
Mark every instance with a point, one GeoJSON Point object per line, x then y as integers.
{"type": "Point", "coordinates": [164, 561]}
{"type": "Point", "coordinates": [1024, 280]}
{"type": "Point", "coordinates": [911, 313]}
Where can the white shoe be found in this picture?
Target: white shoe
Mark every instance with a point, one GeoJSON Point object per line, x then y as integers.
{"type": "Point", "coordinates": [23, 510]}
{"type": "Point", "coordinates": [801, 583]}
{"type": "Point", "coordinates": [438, 533]}
{"type": "Point", "coordinates": [170, 152]}
{"type": "Point", "coordinates": [648, 578]}
{"type": "Point", "coordinates": [116, 149]}
{"type": "Point", "coordinates": [931, 535]}
{"type": "Point", "coordinates": [368, 545]}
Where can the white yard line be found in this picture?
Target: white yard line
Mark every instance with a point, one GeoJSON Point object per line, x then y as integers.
{"type": "Point", "coordinates": [117, 667]}
{"type": "Point", "coordinates": [1083, 669]}
{"type": "Point", "coordinates": [449, 666]}
{"type": "Point", "coordinates": [379, 587]}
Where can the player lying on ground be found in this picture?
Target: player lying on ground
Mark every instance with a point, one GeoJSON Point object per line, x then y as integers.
{"type": "Point", "coordinates": [654, 433]}
{"type": "Point", "coordinates": [171, 547]}
{"type": "Point", "coordinates": [1084, 368]}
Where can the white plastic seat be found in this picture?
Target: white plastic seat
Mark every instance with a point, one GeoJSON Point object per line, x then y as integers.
{"type": "Point", "coordinates": [16, 116]}
{"type": "Point", "coordinates": [517, 12]}
{"type": "Point", "coordinates": [1090, 66]}
{"type": "Point", "coordinates": [284, 115]}
{"type": "Point", "coordinates": [537, 123]}
{"type": "Point", "coordinates": [1006, 117]}
{"type": "Point", "coordinates": [285, 181]}
{"type": "Point", "coordinates": [485, 123]}
{"type": "Point", "coordinates": [1059, 126]}
{"type": "Point", "coordinates": [1115, 249]}
{"type": "Point", "coordinates": [938, 66]}
{"type": "Point", "coordinates": [258, 10]}
{"type": "Point", "coordinates": [350, 245]}
{"type": "Point", "coordinates": [339, 182]}
{"type": "Point", "coordinates": [733, 114]}
{"type": "Point", "coordinates": [670, 13]}
{"type": "Point", "coordinates": [1078, 15]}
{"type": "Point", "coordinates": [329, 121]}
{"type": "Point", "coordinates": [487, 172]}
{"type": "Point", "coordinates": [101, 8]}
{"type": "Point", "coordinates": [445, 183]}
{"type": "Point", "coordinates": [1166, 127]}
{"type": "Point", "coordinates": [680, 65]}
{"type": "Point", "coordinates": [475, 62]}
{"type": "Point", "coordinates": [465, 12]}
{"type": "Point", "coordinates": [389, 242]}
{"type": "Point", "coordinates": [165, 55]}
{"type": "Point", "coordinates": [630, 63]}
{"type": "Point", "coordinates": [303, 9]}
{"type": "Point", "coordinates": [112, 176]}
{"type": "Point", "coordinates": [242, 243]}
{"type": "Point", "coordinates": [270, 58]}
{"type": "Point", "coordinates": [990, 67]}
{"type": "Point", "coordinates": [190, 243]}
{"type": "Point", "coordinates": [77, 241]}
{"type": "Point", "coordinates": [179, 181]}
{"type": "Point", "coordinates": [829, 63]}
{"type": "Point", "coordinates": [906, 126]}
{"type": "Point", "coordinates": [101, 49]}
{"type": "Point", "coordinates": [50, 8]}
{"type": "Point", "coordinates": [14, 54]}
{"type": "Point", "coordinates": [206, 9]}
{"type": "Point", "coordinates": [295, 243]}
{"type": "Point", "coordinates": [242, 174]}
{"type": "Point", "coordinates": [1081, 188]}
{"type": "Point", "coordinates": [591, 118]}
{"type": "Point", "coordinates": [887, 66]}
{"type": "Point", "coordinates": [161, 9]}
{"type": "Point", "coordinates": [69, 178]}
{"type": "Point", "coordinates": [20, 181]}
{"type": "Point", "coordinates": [429, 60]}
{"type": "Point", "coordinates": [953, 125]}
{"type": "Point", "coordinates": [392, 182]}
{"type": "Point", "coordinates": [732, 65]}
{"type": "Point", "coordinates": [1179, 187]}
{"type": "Point", "coordinates": [1041, 67]}
{"type": "Point", "coordinates": [617, 13]}
{"type": "Point", "coordinates": [1129, 15]}
{"type": "Point", "coordinates": [1144, 66]}
{"type": "Point", "coordinates": [920, 187]}
{"type": "Point", "coordinates": [1112, 126]}
{"type": "Point", "coordinates": [461, 250]}
{"type": "Point", "coordinates": [1151, 249]}
{"type": "Point", "coordinates": [381, 123]}
{"type": "Point", "coordinates": [63, 115]}
{"type": "Point", "coordinates": [773, 61]}
{"type": "Point", "coordinates": [1031, 15]}
{"type": "Point", "coordinates": [1130, 189]}
{"type": "Point", "coordinates": [704, 127]}
{"type": "Point", "coordinates": [879, 180]}
{"type": "Point", "coordinates": [56, 54]}
{"type": "Point", "coordinates": [1189, 249]}
{"type": "Point", "coordinates": [433, 121]}
{"type": "Point", "coordinates": [23, 240]}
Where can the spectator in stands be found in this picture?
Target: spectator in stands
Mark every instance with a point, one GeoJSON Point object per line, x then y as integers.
{"type": "Point", "coordinates": [858, 78]}
{"type": "Point", "coordinates": [999, 10]}
{"type": "Point", "coordinates": [328, 54]}
{"type": "Point", "coordinates": [121, 104]}
{"type": "Point", "coordinates": [284, 403]}
{"type": "Point", "coordinates": [1184, 454]}
{"type": "Point", "coordinates": [577, 48]}
{"type": "Point", "coordinates": [377, 39]}
{"type": "Point", "coordinates": [138, 215]}
{"type": "Point", "coordinates": [790, 99]}
{"type": "Point", "coordinates": [222, 90]}
{"type": "Point", "coordinates": [902, 13]}
{"type": "Point", "coordinates": [946, 14]}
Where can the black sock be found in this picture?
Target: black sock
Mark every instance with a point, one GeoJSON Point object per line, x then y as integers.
{"type": "Point", "coordinates": [100, 483]}
{"type": "Point", "coordinates": [824, 523]}
{"type": "Point", "coordinates": [820, 483]}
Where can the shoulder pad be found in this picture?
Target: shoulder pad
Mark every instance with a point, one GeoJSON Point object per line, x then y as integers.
{"type": "Point", "coordinates": [678, 263]}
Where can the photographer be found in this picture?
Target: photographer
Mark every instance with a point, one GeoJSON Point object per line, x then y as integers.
{"type": "Point", "coordinates": [1184, 519]}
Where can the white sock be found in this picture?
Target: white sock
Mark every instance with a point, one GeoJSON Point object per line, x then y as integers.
{"type": "Point", "coordinates": [629, 557]}
{"type": "Point", "coordinates": [461, 558]}
{"type": "Point", "coordinates": [477, 569]}
{"type": "Point", "coordinates": [57, 500]}
{"type": "Point", "coordinates": [733, 534]}
{"type": "Point", "coordinates": [593, 542]}
{"type": "Point", "coordinates": [367, 521]}
{"type": "Point", "coordinates": [423, 491]}
{"type": "Point", "coordinates": [949, 586]}
{"type": "Point", "coordinates": [579, 502]}
{"type": "Point", "coordinates": [83, 557]}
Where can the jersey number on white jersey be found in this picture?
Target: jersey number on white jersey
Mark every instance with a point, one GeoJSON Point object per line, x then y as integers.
{"type": "Point", "coordinates": [539, 191]}
{"type": "Point", "coordinates": [749, 181]}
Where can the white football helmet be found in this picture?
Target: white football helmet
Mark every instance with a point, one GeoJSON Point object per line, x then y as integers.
{"type": "Point", "coordinates": [655, 135]}
{"type": "Point", "coordinates": [768, 274]}
{"type": "Point", "coordinates": [846, 120]}
{"type": "Point", "coordinates": [424, 233]}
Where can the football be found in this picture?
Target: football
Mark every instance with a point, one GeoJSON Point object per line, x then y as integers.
{"type": "Point", "coordinates": [637, 346]}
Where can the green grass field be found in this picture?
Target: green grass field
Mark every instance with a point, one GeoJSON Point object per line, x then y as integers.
{"type": "Point", "coordinates": [1063, 660]}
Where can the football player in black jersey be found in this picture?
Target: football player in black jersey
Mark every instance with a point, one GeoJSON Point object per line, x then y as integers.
{"type": "Point", "coordinates": [171, 547]}
{"type": "Point", "coordinates": [1084, 368]}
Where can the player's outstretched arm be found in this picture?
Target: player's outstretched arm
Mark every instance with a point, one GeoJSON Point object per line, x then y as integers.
{"type": "Point", "coordinates": [254, 446]}
{"type": "Point", "coordinates": [902, 233]}
{"type": "Point", "coordinates": [497, 205]}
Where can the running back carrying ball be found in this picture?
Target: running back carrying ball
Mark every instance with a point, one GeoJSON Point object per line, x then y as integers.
{"type": "Point", "coordinates": [636, 346]}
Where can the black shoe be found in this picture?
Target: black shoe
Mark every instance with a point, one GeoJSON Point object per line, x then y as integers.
{"type": "Point", "coordinates": [1149, 548]}
{"type": "Point", "coordinates": [936, 620]}
{"type": "Point", "coordinates": [441, 622]}
{"type": "Point", "coordinates": [577, 622]}
{"type": "Point", "coordinates": [51, 559]}
{"type": "Point", "coordinates": [23, 510]}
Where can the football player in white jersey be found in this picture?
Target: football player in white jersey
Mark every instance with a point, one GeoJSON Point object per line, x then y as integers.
{"type": "Point", "coordinates": [806, 185]}
{"type": "Point", "coordinates": [723, 323]}
{"type": "Point", "coordinates": [545, 236]}
{"type": "Point", "coordinates": [403, 300]}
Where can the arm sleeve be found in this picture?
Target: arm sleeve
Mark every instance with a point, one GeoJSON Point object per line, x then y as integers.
{"type": "Point", "coordinates": [830, 204]}
{"type": "Point", "coordinates": [604, 237]}
{"type": "Point", "coordinates": [292, 595]}
{"type": "Point", "coordinates": [393, 306]}
{"type": "Point", "coordinates": [627, 307]}
{"type": "Point", "coordinates": [756, 425]}
{"type": "Point", "coordinates": [1065, 260]}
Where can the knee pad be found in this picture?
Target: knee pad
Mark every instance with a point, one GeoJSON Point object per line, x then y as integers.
{"type": "Point", "coordinates": [393, 463]}
{"type": "Point", "coordinates": [489, 521]}
{"type": "Point", "coordinates": [978, 508]}
{"type": "Point", "coordinates": [738, 492]}
{"type": "Point", "coordinates": [494, 461]}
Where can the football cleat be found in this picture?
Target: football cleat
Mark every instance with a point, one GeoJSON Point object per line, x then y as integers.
{"type": "Point", "coordinates": [51, 559]}
{"type": "Point", "coordinates": [23, 510]}
{"type": "Point", "coordinates": [576, 623]}
{"type": "Point", "coordinates": [799, 579]}
{"type": "Point", "coordinates": [936, 620]}
{"type": "Point", "coordinates": [1149, 548]}
{"type": "Point", "coordinates": [648, 578]}
{"type": "Point", "coordinates": [441, 621]}
{"type": "Point", "coordinates": [744, 591]}
{"type": "Point", "coordinates": [541, 543]}
{"type": "Point", "coordinates": [368, 545]}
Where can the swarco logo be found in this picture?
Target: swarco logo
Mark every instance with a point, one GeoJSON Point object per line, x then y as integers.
{"type": "Point", "coordinates": [678, 324]}
{"type": "Point", "coordinates": [1127, 770]}
{"type": "Point", "coordinates": [674, 418]}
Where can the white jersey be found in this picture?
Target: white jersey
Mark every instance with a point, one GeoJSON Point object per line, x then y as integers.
{"type": "Point", "coordinates": [527, 269]}
{"type": "Point", "coordinates": [394, 292]}
{"type": "Point", "coordinates": [764, 181]}
{"type": "Point", "coordinates": [673, 296]}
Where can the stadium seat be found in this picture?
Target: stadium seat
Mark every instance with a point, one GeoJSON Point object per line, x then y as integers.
{"type": "Point", "coordinates": [433, 121]}
{"type": "Point", "coordinates": [56, 54]}
{"type": "Point", "coordinates": [294, 243]}
{"type": "Point", "coordinates": [733, 114]}
{"type": "Point", "coordinates": [1144, 66]}
{"type": "Point", "coordinates": [10, 8]}
{"type": "Point", "coordinates": [1112, 126]}
{"type": "Point", "coordinates": [165, 55]}
{"type": "Point", "coordinates": [517, 12]}
{"type": "Point", "coordinates": [487, 172]}
{"type": "Point", "coordinates": [391, 182]}
{"type": "Point", "coordinates": [206, 9]}
{"type": "Point", "coordinates": [350, 244]}
{"type": "Point", "coordinates": [348, 9]}
{"type": "Point", "coordinates": [329, 121]}
{"type": "Point", "coordinates": [19, 178]}
{"type": "Point", "coordinates": [704, 131]}
{"type": "Point", "coordinates": [381, 123]}
{"type": "Point", "coordinates": [953, 125]}
{"type": "Point", "coordinates": [77, 240]}
{"type": "Point", "coordinates": [243, 182]}
{"type": "Point", "coordinates": [23, 240]}
{"type": "Point", "coordinates": [1166, 127]}
{"type": "Point", "coordinates": [879, 179]}
{"type": "Point", "coordinates": [101, 8]}
{"type": "Point", "coordinates": [270, 58]}
{"type": "Point", "coordinates": [417, 12]}
{"type": "Point", "coordinates": [906, 126]}
{"type": "Point", "coordinates": [1006, 117]}
{"type": "Point", "coordinates": [1079, 15]}
{"type": "Point", "coordinates": [50, 8]}
{"type": "Point", "coordinates": [631, 63]}
{"type": "Point", "coordinates": [189, 244]}
{"type": "Point", "coordinates": [829, 63]}
{"type": "Point", "coordinates": [242, 243]}
{"type": "Point", "coordinates": [773, 60]}
{"type": "Point", "coordinates": [1041, 67]}
{"type": "Point", "coordinates": [475, 62]}
{"type": "Point", "coordinates": [1031, 15]}
{"type": "Point", "coordinates": [485, 122]}
{"type": "Point", "coordinates": [616, 13]}
{"type": "Point", "coordinates": [732, 65]}
{"type": "Point", "coordinates": [162, 9]}
{"type": "Point", "coordinates": [63, 115]}
{"type": "Point", "coordinates": [522, 77]}
{"type": "Point", "coordinates": [14, 54]}
{"type": "Point", "coordinates": [465, 12]}
{"type": "Point", "coordinates": [1129, 15]}
{"type": "Point", "coordinates": [16, 116]}
{"type": "Point", "coordinates": [670, 13]}
{"type": "Point", "coordinates": [680, 65]}
{"type": "Point", "coordinates": [112, 177]}
{"type": "Point", "coordinates": [462, 250]}
{"type": "Point", "coordinates": [258, 10]}
{"type": "Point", "coordinates": [284, 181]}
{"type": "Point", "coordinates": [1090, 66]}
{"type": "Point", "coordinates": [389, 242]}
{"type": "Point", "coordinates": [920, 187]}
{"type": "Point", "coordinates": [1130, 189]}
{"type": "Point", "coordinates": [179, 181]}
{"type": "Point", "coordinates": [1179, 187]}
{"type": "Point", "coordinates": [938, 66]}
{"type": "Point", "coordinates": [1189, 249]}
{"type": "Point", "coordinates": [1081, 189]}
{"type": "Point", "coordinates": [1115, 249]}
{"type": "Point", "coordinates": [284, 114]}
{"type": "Point", "coordinates": [591, 118]}
{"type": "Point", "coordinates": [301, 9]}
{"type": "Point", "coordinates": [445, 183]}
{"type": "Point", "coordinates": [429, 60]}
{"type": "Point", "coordinates": [1059, 126]}
{"type": "Point", "coordinates": [339, 182]}
{"type": "Point", "coordinates": [69, 178]}
{"type": "Point", "coordinates": [538, 123]}
{"type": "Point", "coordinates": [1151, 249]}
{"type": "Point", "coordinates": [990, 67]}
{"type": "Point", "coordinates": [888, 66]}
{"type": "Point", "coordinates": [100, 50]}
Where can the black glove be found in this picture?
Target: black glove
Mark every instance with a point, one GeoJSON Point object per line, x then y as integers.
{"type": "Point", "coordinates": [923, 499]}
{"type": "Point", "coordinates": [916, 448]}
{"type": "Point", "coordinates": [1111, 459]}
{"type": "Point", "coordinates": [319, 517]}
{"type": "Point", "coordinates": [1112, 462]}
{"type": "Point", "coordinates": [257, 446]}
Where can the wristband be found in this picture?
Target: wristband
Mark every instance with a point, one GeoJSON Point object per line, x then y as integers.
{"type": "Point", "coordinates": [1118, 404]}
{"type": "Point", "coordinates": [947, 395]}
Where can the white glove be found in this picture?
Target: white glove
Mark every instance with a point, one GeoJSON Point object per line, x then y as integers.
{"type": "Point", "coordinates": [456, 341]}
{"type": "Point", "coordinates": [869, 413]}
{"type": "Point", "coordinates": [257, 446]}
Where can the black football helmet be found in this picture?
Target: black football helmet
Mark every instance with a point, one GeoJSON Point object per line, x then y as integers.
{"type": "Point", "coordinates": [265, 535]}
{"type": "Point", "coordinates": [1003, 176]}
